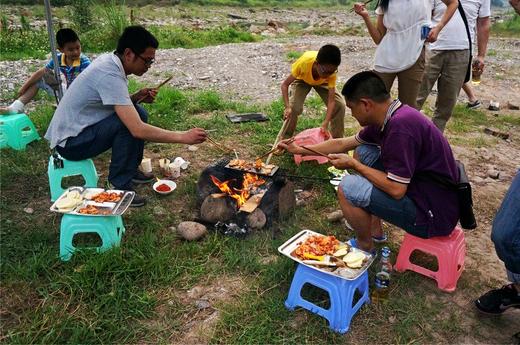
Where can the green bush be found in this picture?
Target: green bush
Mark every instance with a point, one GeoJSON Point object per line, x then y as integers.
{"type": "Point", "coordinates": [81, 14]}
{"type": "Point", "coordinates": [24, 44]}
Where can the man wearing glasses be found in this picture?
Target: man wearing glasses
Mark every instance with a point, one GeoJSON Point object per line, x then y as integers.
{"type": "Point", "coordinates": [97, 113]}
{"type": "Point", "coordinates": [317, 70]}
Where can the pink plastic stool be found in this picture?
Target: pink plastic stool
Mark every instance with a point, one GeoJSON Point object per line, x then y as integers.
{"type": "Point", "coordinates": [310, 136]}
{"type": "Point", "coordinates": [449, 250]}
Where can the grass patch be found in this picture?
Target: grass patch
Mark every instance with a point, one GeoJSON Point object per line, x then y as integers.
{"type": "Point", "coordinates": [294, 55]}
{"type": "Point", "coordinates": [137, 293]}
{"type": "Point", "coordinates": [509, 27]}
{"type": "Point", "coordinates": [17, 45]}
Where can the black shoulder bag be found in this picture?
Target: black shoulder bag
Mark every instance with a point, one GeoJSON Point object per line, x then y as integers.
{"type": "Point", "coordinates": [463, 189]}
{"type": "Point", "coordinates": [465, 20]}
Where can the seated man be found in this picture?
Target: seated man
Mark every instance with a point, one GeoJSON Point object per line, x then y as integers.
{"type": "Point", "coordinates": [97, 113]}
{"type": "Point", "coordinates": [396, 144]}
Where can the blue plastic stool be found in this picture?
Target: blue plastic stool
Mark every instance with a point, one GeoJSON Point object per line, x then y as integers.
{"type": "Point", "coordinates": [85, 168]}
{"type": "Point", "coordinates": [16, 131]}
{"type": "Point", "coordinates": [341, 294]}
{"type": "Point", "coordinates": [109, 228]}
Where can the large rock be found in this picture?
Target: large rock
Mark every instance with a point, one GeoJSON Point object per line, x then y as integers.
{"type": "Point", "coordinates": [191, 231]}
{"type": "Point", "coordinates": [217, 209]}
{"type": "Point", "coordinates": [256, 219]}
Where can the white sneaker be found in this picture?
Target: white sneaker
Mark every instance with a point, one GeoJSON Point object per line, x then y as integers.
{"type": "Point", "coordinates": [17, 107]}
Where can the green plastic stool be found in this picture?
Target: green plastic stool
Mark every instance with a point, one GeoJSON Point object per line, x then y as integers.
{"type": "Point", "coordinates": [109, 228]}
{"type": "Point", "coordinates": [85, 168]}
{"type": "Point", "coordinates": [16, 131]}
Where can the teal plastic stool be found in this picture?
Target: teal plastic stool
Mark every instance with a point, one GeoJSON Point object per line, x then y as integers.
{"type": "Point", "coordinates": [16, 131]}
{"type": "Point", "coordinates": [109, 228]}
{"type": "Point", "coordinates": [85, 168]}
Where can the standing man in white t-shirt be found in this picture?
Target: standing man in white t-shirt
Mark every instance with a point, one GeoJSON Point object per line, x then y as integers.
{"type": "Point", "coordinates": [447, 58]}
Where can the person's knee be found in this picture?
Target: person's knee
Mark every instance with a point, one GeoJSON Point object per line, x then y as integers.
{"type": "Point", "coordinates": [340, 108]}
{"type": "Point", "coordinates": [143, 114]}
{"type": "Point", "coordinates": [356, 190]}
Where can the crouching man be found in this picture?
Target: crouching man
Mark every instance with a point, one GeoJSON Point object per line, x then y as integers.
{"type": "Point", "coordinates": [97, 113]}
{"type": "Point", "coordinates": [396, 145]}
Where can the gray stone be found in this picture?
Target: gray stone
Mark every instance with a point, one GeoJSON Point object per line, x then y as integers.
{"type": "Point", "coordinates": [191, 231]}
{"type": "Point", "coordinates": [335, 216]}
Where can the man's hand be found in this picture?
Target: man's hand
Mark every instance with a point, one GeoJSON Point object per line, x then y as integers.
{"type": "Point", "coordinates": [361, 9]}
{"type": "Point", "coordinates": [434, 34]}
{"type": "Point", "coordinates": [342, 161]}
{"type": "Point", "coordinates": [479, 63]}
{"type": "Point", "coordinates": [194, 136]}
{"type": "Point", "coordinates": [146, 95]}
{"type": "Point", "coordinates": [291, 147]}
{"type": "Point", "coordinates": [287, 113]}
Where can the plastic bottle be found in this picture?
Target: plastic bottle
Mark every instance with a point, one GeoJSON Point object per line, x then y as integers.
{"type": "Point", "coordinates": [383, 277]}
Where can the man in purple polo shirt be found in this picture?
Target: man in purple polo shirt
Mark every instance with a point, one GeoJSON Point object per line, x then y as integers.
{"type": "Point", "coordinates": [395, 146]}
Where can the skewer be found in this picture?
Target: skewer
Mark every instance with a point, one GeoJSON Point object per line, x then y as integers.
{"type": "Point", "coordinates": [278, 137]}
{"type": "Point", "coordinates": [290, 141]}
{"type": "Point", "coordinates": [365, 3]}
{"type": "Point", "coordinates": [157, 87]}
{"type": "Point", "coordinates": [316, 152]}
{"type": "Point", "coordinates": [220, 146]}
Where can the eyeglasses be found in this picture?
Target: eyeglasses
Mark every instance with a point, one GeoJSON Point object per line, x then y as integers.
{"type": "Point", "coordinates": [147, 62]}
{"type": "Point", "coordinates": [323, 71]}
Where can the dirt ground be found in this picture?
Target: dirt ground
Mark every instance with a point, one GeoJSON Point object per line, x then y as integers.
{"type": "Point", "coordinates": [254, 71]}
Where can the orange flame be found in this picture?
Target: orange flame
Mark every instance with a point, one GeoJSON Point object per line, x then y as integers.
{"type": "Point", "coordinates": [250, 183]}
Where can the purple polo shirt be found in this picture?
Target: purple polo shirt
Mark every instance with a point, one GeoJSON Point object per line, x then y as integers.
{"type": "Point", "coordinates": [411, 143]}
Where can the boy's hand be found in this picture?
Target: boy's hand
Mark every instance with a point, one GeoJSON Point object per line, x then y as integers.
{"type": "Point", "coordinates": [325, 128]}
{"type": "Point", "coordinates": [360, 9]}
{"type": "Point", "coordinates": [146, 95]}
{"type": "Point", "coordinates": [342, 161]}
{"type": "Point", "coordinates": [287, 113]}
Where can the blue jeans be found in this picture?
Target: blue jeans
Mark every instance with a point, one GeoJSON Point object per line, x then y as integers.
{"type": "Point", "coordinates": [506, 230]}
{"type": "Point", "coordinates": [362, 193]}
{"type": "Point", "coordinates": [127, 151]}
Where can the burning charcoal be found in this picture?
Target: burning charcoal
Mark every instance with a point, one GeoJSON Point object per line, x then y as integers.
{"type": "Point", "coordinates": [231, 229]}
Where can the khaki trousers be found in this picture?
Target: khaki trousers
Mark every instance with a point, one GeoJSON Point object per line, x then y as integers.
{"type": "Point", "coordinates": [297, 94]}
{"type": "Point", "coordinates": [408, 81]}
{"type": "Point", "coordinates": [447, 68]}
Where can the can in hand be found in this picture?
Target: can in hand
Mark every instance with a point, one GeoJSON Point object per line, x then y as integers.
{"type": "Point", "coordinates": [476, 72]}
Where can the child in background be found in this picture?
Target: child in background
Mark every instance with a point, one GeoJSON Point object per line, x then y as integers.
{"type": "Point", "coordinates": [72, 63]}
{"type": "Point", "coordinates": [317, 70]}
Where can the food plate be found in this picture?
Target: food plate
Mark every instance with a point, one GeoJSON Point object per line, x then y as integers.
{"type": "Point", "coordinates": [247, 166]}
{"type": "Point", "coordinates": [290, 246]}
{"type": "Point", "coordinates": [93, 201]}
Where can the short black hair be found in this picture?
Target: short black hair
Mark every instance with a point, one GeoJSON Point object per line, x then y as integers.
{"type": "Point", "coordinates": [329, 54]}
{"type": "Point", "coordinates": [365, 84]}
{"type": "Point", "coordinates": [64, 36]}
{"type": "Point", "coordinates": [137, 39]}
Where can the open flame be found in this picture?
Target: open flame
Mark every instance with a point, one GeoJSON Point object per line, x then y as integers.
{"type": "Point", "coordinates": [249, 185]}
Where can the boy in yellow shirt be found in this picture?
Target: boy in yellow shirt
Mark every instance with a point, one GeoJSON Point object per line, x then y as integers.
{"type": "Point", "coordinates": [317, 70]}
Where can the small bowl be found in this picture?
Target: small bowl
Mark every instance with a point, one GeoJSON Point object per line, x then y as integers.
{"type": "Point", "coordinates": [169, 183]}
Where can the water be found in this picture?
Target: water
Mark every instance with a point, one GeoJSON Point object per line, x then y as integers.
{"type": "Point", "coordinates": [383, 278]}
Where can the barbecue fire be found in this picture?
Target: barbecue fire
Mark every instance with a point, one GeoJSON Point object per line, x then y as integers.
{"type": "Point", "coordinates": [249, 186]}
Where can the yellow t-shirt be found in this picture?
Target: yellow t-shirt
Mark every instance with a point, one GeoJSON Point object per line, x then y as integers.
{"type": "Point", "coordinates": [302, 69]}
